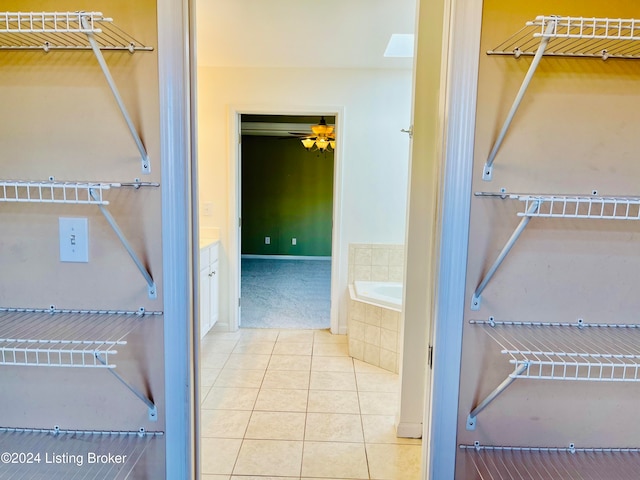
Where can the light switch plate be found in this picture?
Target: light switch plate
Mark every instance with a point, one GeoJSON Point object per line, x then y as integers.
{"type": "Point", "coordinates": [74, 239]}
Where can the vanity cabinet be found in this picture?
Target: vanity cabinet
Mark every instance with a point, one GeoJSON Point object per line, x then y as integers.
{"type": "Point", "coordinates": [209, 287]}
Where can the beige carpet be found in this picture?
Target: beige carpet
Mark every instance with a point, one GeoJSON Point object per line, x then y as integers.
{"type": "Point", "coordinates": [285, 293]}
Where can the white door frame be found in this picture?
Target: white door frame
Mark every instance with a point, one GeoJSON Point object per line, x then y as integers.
{"type": "Point", "coordinates": [235, 197]}
{"type": "Point", "coordinates": [463, 20]}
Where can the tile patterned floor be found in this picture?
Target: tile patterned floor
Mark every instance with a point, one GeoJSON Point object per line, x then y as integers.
{"type": "Point", "coordinates": [292, 405]}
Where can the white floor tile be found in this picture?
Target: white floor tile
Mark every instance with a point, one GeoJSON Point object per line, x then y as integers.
{"type": "Point", "coordinates": [218, 455]}
{"type": "Point", "coordinates": [224, 423]}
{"type": "Point", "coordinates": [290, 362]}
{"type": "Point", "coordinates": [332, 364]}
{"type": "Point", "coordinates": [232, 377]}
{"type": "Point", "coordinates": [334, 460]}
{"type": "Point", "coordinates": [269, 457]}
{"type": "Point", "coordinates": [331, 349]}
{"type": "Point", "coordinates": [333, 427]}
{"type": "Point", "coordinates": [226, 398]}
{"type": "Point", "coordinates": [388, 462]}
{"type": "Point", "coordinates": [332, 381]}
{"type": "Point", "coordinates": [292, 348]}
{"type": "Point", "coordinates": [327, 401]}
{"type": "Point", "coordinates": [292, 405]}
{"type": "Point", "coordinates": [378, 382]}
{"type": "Point", "coordinates": [247, 361]}
{"type": "Point", "coordinates": [286, 379]}
{"type": "Point", "coordinates": [282, 400]}
{"type": "Point", "coordinates": [276, 426]}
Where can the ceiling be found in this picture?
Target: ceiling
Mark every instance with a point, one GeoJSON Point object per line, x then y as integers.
{"type": "Point", "coordinates": [301, 33]}
{"type": "Point", "coordinates": [280, 125]}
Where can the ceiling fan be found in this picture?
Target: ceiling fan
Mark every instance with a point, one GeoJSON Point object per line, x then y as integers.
{"type": "Point", "coordinates": [322, 137]}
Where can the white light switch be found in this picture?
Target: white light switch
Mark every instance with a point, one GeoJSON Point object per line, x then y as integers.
{"type": "Point", "coordinates": [74, 239]}
{"type": "Point", "coordinates": [294, 241]}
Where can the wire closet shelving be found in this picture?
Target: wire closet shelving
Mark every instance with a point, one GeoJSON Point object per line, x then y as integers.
{"type": "Point", "coordinates": [75, 339]}
{"type": "Point", "coordinates": [556, 206]}
{"type": "Point", "coordinates": [563, 351]}
{"type": "Point", "coordinates": [58, 453]}
{"type": "Point", "coordinates": [569, 463]}
{"type": "Point", "coordinates": [69, 338]}
{"type": "Point", "coordinates": [560, 36]}
{"type": "Point", "coordinates": [77, 193]}
{"type": "Point", "coordinates": [74, 31]}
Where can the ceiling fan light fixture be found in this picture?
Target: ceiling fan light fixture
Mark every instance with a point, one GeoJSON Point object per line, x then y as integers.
{"type": "Point", "coordinates": [308, 143]}
{"type": "Point", "coordinates": [322, 144]}
{"type": "Point", "coordinates": [322, 137]}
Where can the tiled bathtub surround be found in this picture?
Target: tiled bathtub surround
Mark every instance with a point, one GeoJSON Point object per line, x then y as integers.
{"type": "Point", "coordinates": [376, 262]}
{"type": "Point", "coordinates": [373, 331]}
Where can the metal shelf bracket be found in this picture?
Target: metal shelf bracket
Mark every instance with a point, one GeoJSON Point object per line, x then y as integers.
{"type": "Point", "coordinates": [487, 172]}
{"type": "Point", "coordinates": [146, 163]}
{"type": "Point", "coordinates": [562, 36]}
{"type": "Point", "coordinates": [49, 31]}
{"type": "Point", "coordinates": [471, 418]}
{"type": "Point", "coordinates": [152, 290]}
{"type": "Point", "coordinates": [477, 295]}
{"type": "Point", "coordinates": [152, 409]}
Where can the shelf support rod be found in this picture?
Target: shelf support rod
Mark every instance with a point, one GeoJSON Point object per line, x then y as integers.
{"type": "Point", "coordinates": [487, 173]}
{"type": "Point", "coordinates": [153, 410]}
{"type": "Point", "coordinates": [475, 300]}
{"type": "Point", "coordinates": [146, 163]}
{"type": "Point", "coordinates": [471, 419]}
{"type": "Point", "coordinates": [153, 293]}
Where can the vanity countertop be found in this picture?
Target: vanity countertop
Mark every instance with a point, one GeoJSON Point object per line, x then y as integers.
{"type": "Point", "coordinates": [206, 241]}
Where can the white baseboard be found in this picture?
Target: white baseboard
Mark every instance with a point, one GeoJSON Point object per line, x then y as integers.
{"type": "Point", "coordinates": [221, 327]}
{"type": "Point", "coordinates": [409, 430]}
{"type": "Point", "coordinates": [285, 257]}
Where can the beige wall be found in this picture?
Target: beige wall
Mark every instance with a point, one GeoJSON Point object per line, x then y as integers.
{"type": "Point", "coordinates": [374, 155]}
{"type": "Point", "coordinates": [59, 119]}
{"type": "Point", "coordinates": [574, 133]}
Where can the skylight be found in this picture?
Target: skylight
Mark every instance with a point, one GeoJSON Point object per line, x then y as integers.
{"type": "Point", "coordinates": [400, 45]}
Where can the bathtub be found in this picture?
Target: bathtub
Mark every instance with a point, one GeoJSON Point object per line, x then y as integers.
{"type": "Point", "coordinates": [381, 294]}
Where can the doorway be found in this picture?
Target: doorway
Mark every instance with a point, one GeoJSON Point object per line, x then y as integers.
{"type": "Point", "coordinates": [286, 197]}
{"type": "Point", "coordinates": [287, 203]}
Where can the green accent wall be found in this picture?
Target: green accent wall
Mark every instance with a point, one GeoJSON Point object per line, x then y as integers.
{"type": "Point", "coordinates": [287, 192]}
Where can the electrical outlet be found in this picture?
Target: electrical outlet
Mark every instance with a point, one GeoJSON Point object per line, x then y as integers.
{"type": "Point", "coordinates": [294, 241]}
{"type": "Point", "coordinates": [267, 240]}
{"type": "Point", "coordinates": [74, 239]}
{"type": "Point", "coordinates": [207, 209]}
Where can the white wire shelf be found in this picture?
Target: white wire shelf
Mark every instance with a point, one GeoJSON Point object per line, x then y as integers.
{"type": "Point", "coordinates": [50, 338]}
{"type": "Point", "coordinates": [77, 193]}
{"type": "Point", "coordinates": [519, 463]}
{"type": "Point", "coordinates": [579, 351]}
{"type": "Point", "coordinates": [575, 37]}
{"type": "Point", "coordinates": [574, 206]}
{"type": "Point", "coordinates": [567, 37]}
{"type": "Point", "coordinates": [49, 31]}
{"type": "Point", "coordinates": [562, 206]}
{"type": "Point", "coordinates": [556, 206]}
{"type": "Point", "coordinates": [71, 339]}
{"type": "Point", "coordinates": [91, 31]}
{"type": "Point", "coordinates": [66, 454]}
{"type": "Point", "coordinates": [563, 351]}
